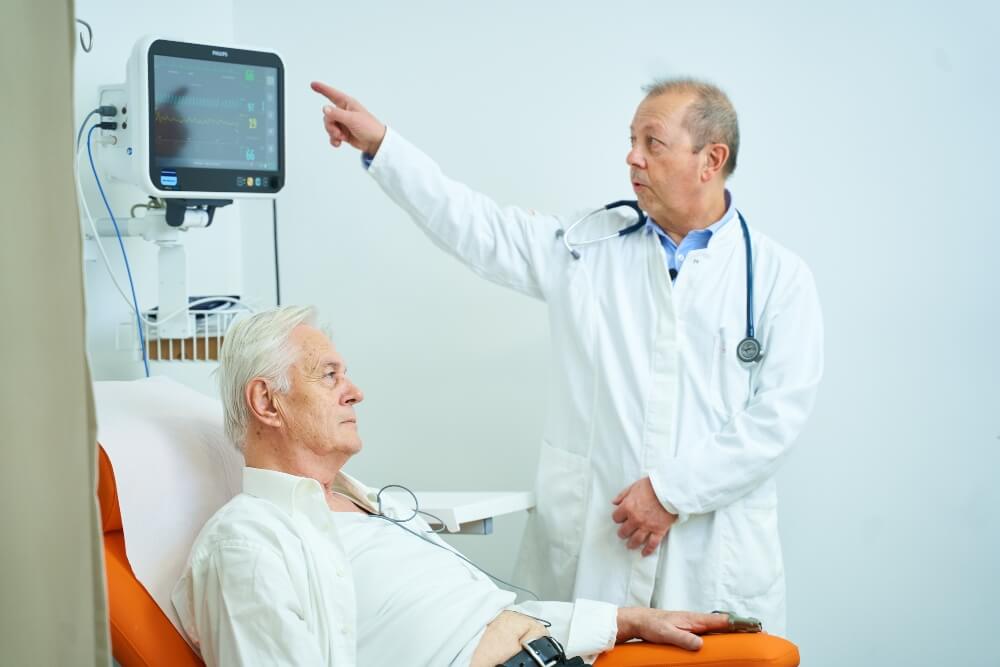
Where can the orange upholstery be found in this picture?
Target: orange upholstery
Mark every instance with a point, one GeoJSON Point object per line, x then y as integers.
{"type": "Point", "coordinates": [141, 634]}
{"type": "Point", "coordinates": [754, 650]}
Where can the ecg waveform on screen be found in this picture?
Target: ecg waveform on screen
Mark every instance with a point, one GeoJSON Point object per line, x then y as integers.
{"type": "Point", "coordinates": [196, 120]}
{"type": "Point", "coordinates": [182, 100]}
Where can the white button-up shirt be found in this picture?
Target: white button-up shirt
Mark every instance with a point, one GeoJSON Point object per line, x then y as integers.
{"type": "Point", "coordinates": [270, 583]}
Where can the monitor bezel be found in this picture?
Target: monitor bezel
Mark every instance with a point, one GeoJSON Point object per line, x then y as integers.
{"type": "Point", "coordinates": [200, 180]}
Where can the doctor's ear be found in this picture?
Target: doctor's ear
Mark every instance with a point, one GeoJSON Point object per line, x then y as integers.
{"type": "Point", "coordinates": [715, 157]}
{"type": "Point", "coordinates": [260, 398]}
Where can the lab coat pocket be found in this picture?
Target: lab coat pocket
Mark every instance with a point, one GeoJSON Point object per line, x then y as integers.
{"type": "Point", "coordinates": [752, 562]}
{"type": "Point", "coordinates": [561, 494]}
{"type": "Point", "coordinates": [730, 378]}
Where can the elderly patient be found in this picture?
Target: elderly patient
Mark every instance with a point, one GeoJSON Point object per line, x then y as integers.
{"type": "Point", "coordinates": [300, 569]}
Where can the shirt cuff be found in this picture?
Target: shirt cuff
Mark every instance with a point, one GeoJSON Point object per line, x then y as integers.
{"type": "Point", "coordinates": [373, 162]}
{"type": "Point", "coordinates": [592, 630]}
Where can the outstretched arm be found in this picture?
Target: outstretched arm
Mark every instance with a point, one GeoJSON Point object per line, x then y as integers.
{"type": "Point", "coordinates": [511, 246]}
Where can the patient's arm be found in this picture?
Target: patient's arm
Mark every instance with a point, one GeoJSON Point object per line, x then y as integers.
{"type": "Point", "coordinates": [245, 610]}
{"type": "Point", "coordinates": [679, 628]}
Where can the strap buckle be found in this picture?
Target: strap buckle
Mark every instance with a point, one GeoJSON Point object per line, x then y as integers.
{"type": "Point", "coordinates": [537, 657]}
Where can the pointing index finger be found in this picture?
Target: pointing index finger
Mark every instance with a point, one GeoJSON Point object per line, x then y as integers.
{"type": "Point", "coordinates": [330, 93]}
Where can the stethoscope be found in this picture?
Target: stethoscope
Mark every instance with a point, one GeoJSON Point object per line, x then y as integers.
{"type": "Point", "coordinates": [749, 349]}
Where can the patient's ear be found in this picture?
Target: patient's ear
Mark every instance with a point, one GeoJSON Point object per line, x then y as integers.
{"type": "Point", "coordinates": [260, 398]}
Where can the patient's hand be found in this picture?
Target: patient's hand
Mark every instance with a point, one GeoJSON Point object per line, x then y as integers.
{"type": "Point", "coordinates": [644, 521]}
{"type": "Point", "coordinates": [677, 628]}
{"type": "Point", "coordinates": [346, 120]}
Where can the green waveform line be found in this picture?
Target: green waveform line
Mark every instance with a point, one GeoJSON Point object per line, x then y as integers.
{"type": "Point", "coordinates": [194, 120]}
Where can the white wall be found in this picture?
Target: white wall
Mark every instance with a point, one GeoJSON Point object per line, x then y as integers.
{"type": "Point", "coordinates": [869, 145]}
{"type": "Point", "coordinates": [216, 256]}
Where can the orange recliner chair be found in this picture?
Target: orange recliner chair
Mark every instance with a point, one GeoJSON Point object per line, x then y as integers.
{"type": "Point", "coordinates": [142, 635]}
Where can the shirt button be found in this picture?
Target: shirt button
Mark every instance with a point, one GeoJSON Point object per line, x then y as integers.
{"type": "Point", "coordinates": [345, 630]}
{"type": "Point", "coordinates": [340, 573]}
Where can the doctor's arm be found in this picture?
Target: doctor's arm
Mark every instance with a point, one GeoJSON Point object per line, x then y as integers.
{"type": "Point", "coordinates": [510, 246]}
{"type": "Point", "coordinates": [748, 450]}
{"type": "Point", "coordinates": [238, 605]}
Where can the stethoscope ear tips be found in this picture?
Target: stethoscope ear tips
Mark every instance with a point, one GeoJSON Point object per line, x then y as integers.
{"type": "Point", "coordinates": [561, 236]}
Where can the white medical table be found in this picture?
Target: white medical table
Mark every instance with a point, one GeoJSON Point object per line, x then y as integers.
{"type": "Point", "coordinates": [468, 512]}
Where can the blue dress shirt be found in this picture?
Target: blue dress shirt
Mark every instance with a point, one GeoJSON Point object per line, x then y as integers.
{"type": "Point", "coordinates": [695, 240]}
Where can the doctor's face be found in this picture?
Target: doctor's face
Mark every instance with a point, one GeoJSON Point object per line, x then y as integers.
{"type": "Point", "coordinates": [318, 410]}
{"type": "Point", "coordinates": [663, 165]}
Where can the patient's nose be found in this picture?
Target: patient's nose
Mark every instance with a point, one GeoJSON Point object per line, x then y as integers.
{"type": "Point", "coordinates": [353, 394]}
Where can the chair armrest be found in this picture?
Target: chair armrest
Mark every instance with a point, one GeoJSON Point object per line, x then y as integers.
{"type": "Point", "coordinates": [735, 650]}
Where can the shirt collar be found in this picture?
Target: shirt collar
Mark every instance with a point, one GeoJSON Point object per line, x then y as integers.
{"type": "Point", "coordinates": [294, 494]}
{"type": "Point", "coordinates": [710, 230]}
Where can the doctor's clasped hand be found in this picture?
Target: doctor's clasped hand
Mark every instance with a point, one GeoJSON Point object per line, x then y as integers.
{"type": "Point", "coordinates": [644, 521]}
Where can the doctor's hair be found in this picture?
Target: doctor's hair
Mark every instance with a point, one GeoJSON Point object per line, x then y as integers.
{"type": "Point", "coordinates": [710, 119]}
{"type": "Point", "coordinates": [257, 346]}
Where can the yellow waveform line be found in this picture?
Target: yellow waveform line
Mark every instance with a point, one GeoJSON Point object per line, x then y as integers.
{"type": "Point", "coordinates": [194, 120]}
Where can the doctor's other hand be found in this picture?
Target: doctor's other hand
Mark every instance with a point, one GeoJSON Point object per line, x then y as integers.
{"type": "Point", "coordinates": [347, 120]}
{"type": "Point", "coordinates": [644, 521]}
{"type": "Point", "coordinates": [677, 628]}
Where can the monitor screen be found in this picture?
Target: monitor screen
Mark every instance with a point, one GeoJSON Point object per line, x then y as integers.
{"type": "Point", "coordinates": [215, 119]}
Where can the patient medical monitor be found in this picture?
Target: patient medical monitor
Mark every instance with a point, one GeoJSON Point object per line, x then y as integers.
{"type": "Point", "coordinates": [197, 121]}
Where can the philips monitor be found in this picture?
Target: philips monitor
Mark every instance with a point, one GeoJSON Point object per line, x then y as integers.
{"type": "Point", "coordinates": [199, 121]}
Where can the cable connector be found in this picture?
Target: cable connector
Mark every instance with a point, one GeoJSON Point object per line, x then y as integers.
{"type": "Point", "coordinates": [108, 125]}
{"type": "Point", "coordinates": [107, 111]}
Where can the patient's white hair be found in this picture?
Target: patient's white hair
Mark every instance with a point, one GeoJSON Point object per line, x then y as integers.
{"type": "Point", "coordinates": [257, 346]}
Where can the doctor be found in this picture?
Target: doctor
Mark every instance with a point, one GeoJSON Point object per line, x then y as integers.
{"type": "Point", "coordinates": [655, 484]}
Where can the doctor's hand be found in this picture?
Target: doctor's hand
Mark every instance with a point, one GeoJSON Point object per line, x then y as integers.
{"type": "Point", "coordinates": [678, 628]}
{"type": "Point", "coordinates": [644, 521]}
{"type": "Point", "coordinates": [346, 120]}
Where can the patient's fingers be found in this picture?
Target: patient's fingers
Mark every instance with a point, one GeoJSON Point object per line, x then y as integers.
{"type": "Point", "coordinates": [695, 622]}
{"type": "Point", "coordinates": [662, 631]}
{"type": "Point", "coordinates": [685, 639]}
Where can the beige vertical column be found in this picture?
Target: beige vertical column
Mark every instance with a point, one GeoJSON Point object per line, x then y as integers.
{"type": "Point", "coordinates": [52, 600]}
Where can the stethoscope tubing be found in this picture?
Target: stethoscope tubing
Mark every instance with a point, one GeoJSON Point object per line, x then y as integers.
{"type": "Point", "coordinates": [748, 350]}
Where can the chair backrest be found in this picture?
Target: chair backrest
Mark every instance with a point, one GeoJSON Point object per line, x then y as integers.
{"type": "Point", "coordinates": [174, 469]}
{"type": "Point", "coordinates": [141, 634]}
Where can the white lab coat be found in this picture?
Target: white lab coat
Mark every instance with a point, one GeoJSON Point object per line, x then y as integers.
{"type": "Point", "coordinates": [646, 383]}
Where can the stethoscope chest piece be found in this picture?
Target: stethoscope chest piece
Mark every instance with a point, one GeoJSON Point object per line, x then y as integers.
{"type": "Point", "coordinates": [749, 350]}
